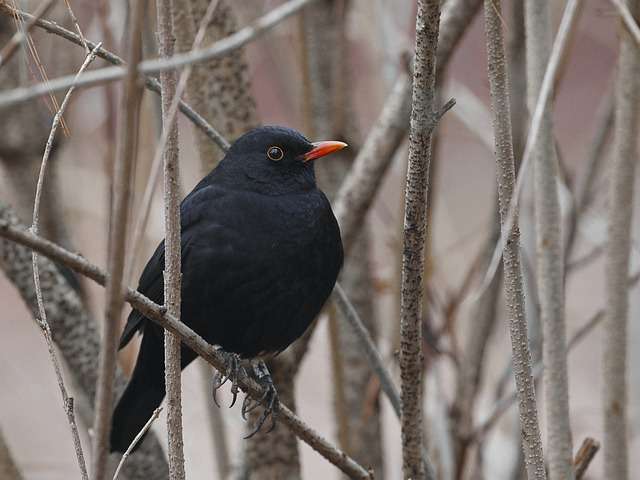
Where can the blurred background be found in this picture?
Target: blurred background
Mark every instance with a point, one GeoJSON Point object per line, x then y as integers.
{"type": "Point", "coordinates": [325, 71]}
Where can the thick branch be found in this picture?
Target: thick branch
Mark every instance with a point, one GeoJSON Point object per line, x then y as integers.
{"type": "Point", "coordinates": [423, 123]}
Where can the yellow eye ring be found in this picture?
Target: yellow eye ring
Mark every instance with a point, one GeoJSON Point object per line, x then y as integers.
{"type": "Point", "coordinates": [275, 153]}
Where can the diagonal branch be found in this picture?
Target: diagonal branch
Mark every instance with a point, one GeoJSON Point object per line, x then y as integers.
{"type": "Point", "coordinates": [14, 42]}
{"type": "Point", "coordinates": [217, 50]}
{"type": "Point", "coordinates": [150, 83]}
{"type": "Point", "coordinates": [158, 314]}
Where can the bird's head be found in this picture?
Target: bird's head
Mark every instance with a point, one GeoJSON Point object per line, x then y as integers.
{"type": "Point", "coordinates": [275, 160]}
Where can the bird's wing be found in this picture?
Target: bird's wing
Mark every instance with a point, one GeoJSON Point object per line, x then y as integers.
{"type": "Point", "coordinates": [151, 282]}
{"type": "Point", "coordinates": [152, 286]}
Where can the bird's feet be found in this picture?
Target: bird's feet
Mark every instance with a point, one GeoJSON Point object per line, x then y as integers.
{"type": "Point", "coordinates": [269, 399]}
{"type": "Point", "coordinates": [234, 370]}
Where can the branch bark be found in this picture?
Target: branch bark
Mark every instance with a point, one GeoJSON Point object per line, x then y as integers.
{"type": "Point", "coordinates": [172, 269]}
{"type": "Point", "coordinates": [549, 250]}
{"type": "Point", "coordinates": [191, 339]}
{"type": "Point", "coordinates": [126, 154]}
{"type": "Point", "coordinates": [505, 174]}
{"type": "Point", "coordinates": [424, 119]}
{"type": "Point", "coordinates": [618, 250]}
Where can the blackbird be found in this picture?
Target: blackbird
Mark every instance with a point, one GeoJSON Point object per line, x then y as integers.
{"type": "Point", "coordinates": [261, 251]}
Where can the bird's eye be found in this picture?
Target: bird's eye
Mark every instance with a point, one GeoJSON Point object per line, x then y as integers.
{"type": "Point", "coordinates": [275, 153]}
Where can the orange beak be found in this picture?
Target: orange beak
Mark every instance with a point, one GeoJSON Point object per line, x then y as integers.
{"type": "Point", "coordinates": [320, 149]}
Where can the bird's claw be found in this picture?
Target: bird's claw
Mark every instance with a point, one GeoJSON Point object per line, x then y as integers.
{"type": "Point", "coordinates": [233, 370]}
{"type": "Point", "coordinates": [269, 400]}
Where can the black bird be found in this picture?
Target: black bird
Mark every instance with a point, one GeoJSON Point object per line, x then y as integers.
{"type": "Point", "coordinates": [261, 251]}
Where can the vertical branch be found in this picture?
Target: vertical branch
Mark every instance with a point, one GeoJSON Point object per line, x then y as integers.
{"type": "Point", "coordinates": [424, 119]}
{"type": "Point", "coordinates": [505, 173]}
{"type": "Point", "coordinates": [616, 450]}
{"type": "Point", "coordinates": [126, 152]}
{"type": "Point", "coordinates": [172, 270]}
{"type": "Point", "coordinates": [549, 250]}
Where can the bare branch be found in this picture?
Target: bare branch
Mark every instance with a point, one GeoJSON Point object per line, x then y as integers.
{"type": "Point", "coordinates": [14, 42]}
{"type": "Point", "coordinates": [369, 347]}
{"type": "Point", "coordinates": [424, 119]}
{"type": "Point", "coordinates": [513, 283]}
{"type": "Point", "coordinates": [549, 250]}
{"type": "Point", "coordinates": [135, 441]}
{"type": "Point", "coordinates": [110, 74]}
{"type": "Point", "coordinates": [44, 324]}
{"type": "Point", "coordinates": [126, 155]}
{"type": "Point", "coordinates": [557, 51]}
{"type": "Point", "coordinates": [168, 148]}
{"type": "Point", "coordinates": [158, 314]}
{"type": "Point", "coordinates": [618, 251]}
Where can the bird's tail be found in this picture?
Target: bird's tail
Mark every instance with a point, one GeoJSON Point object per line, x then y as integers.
{"type": "Point", "coordinates": [143, 394]}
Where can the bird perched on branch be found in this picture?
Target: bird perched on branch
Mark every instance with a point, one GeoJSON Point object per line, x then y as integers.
{"type": "Point", "coordinates": [261, 252]}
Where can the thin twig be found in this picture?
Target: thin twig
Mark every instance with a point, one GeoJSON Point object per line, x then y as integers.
{"type": "Point", "coordinates": [618, 254]}
{"type": "Point", "coordinates": [513, 282]}
{"type": "Point", "coordinates": [557, 50]}
{"type": "Point", "coordinates": [77, 25]}
{"type": "Point", "coordinates": [147, 426]}
{"type": "Point", "coordinates": [424, 119]}
{"type": "Point", "coordinates": [376, 362]}
{"type": "Point", "coordinates": [219, 49]}
{"type": "Point", "coordinates": [584, 455]}
{"type": "Point", "coordinates": [21, 34]}
{"type": "Point", "coordinates": [123, 169]}
{"type": "Point", "coordinates": [373, 355]}
{"type": "Point", "coordinates": [150, 83]}
{"type": "Point", "coordinates": [44, 324]}
{"type": "Point", "coordinates": [168, 152]}
{"type": "Point", "coordinates": [191, 339]}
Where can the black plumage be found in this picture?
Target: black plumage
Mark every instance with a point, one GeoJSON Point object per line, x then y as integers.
{"type": "Point", "coordinates": [261, 252]}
